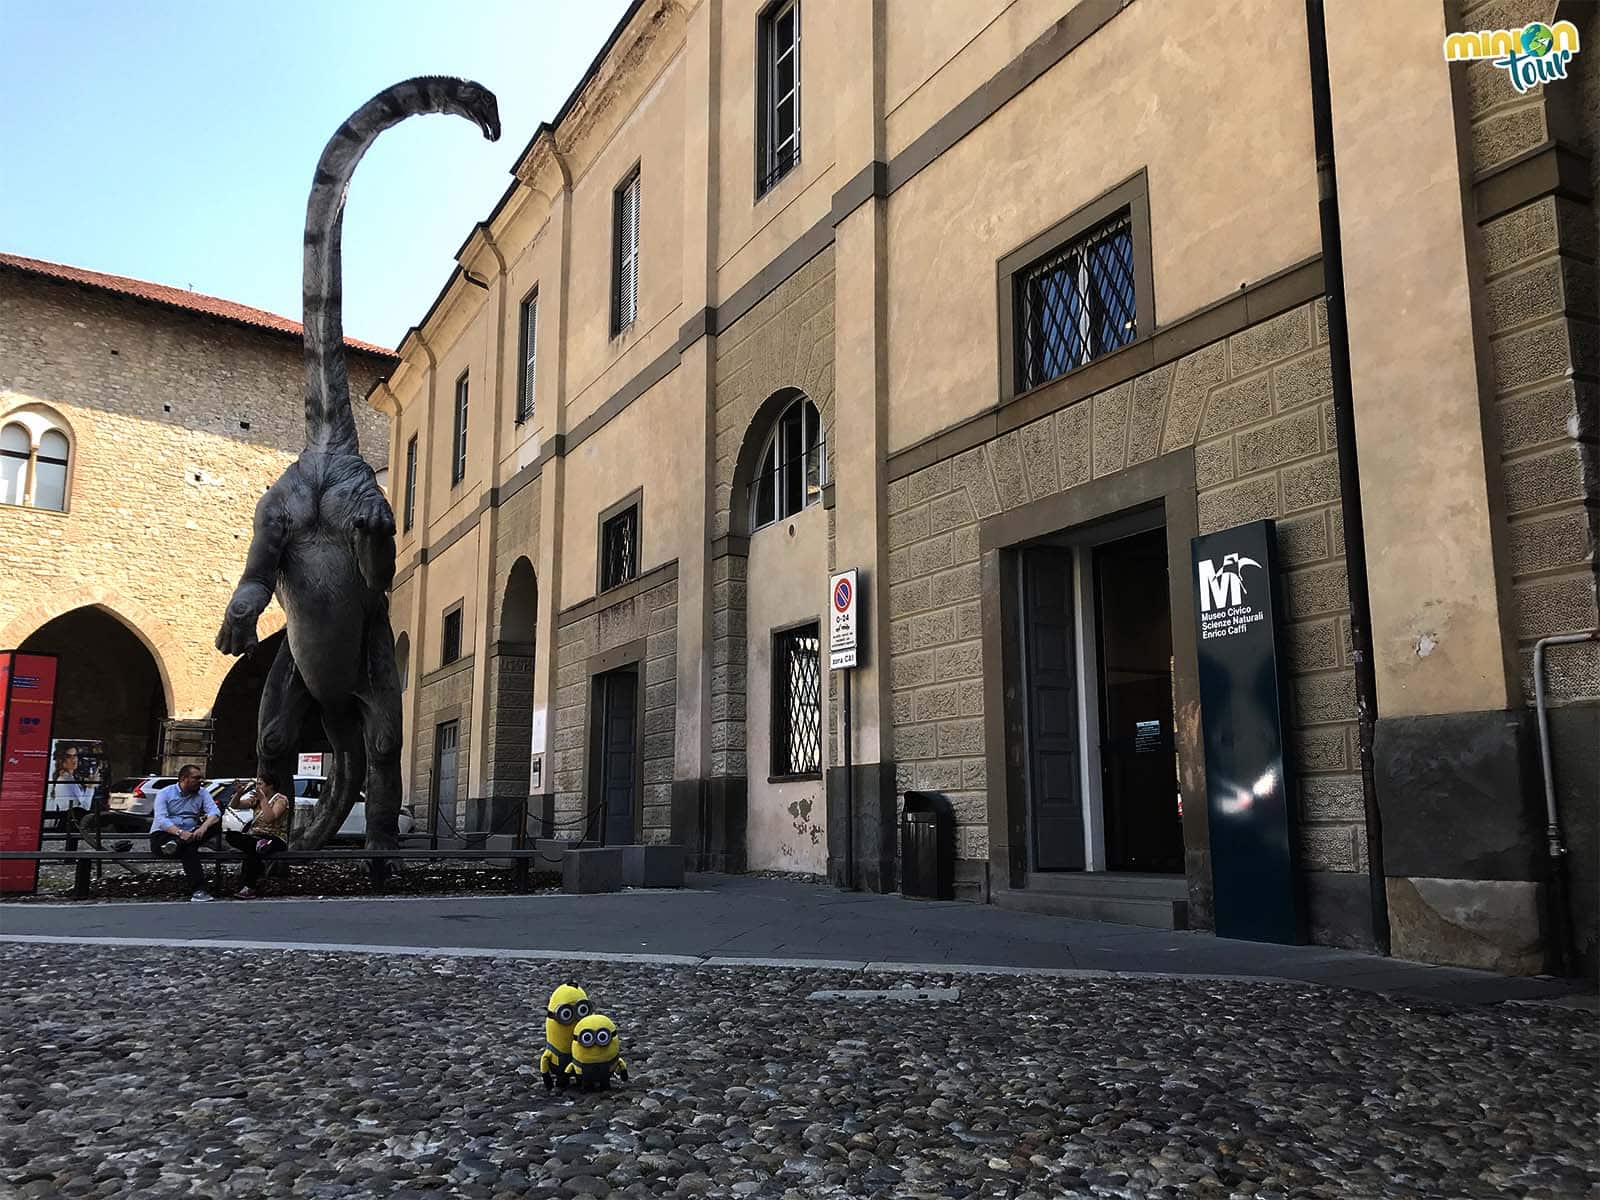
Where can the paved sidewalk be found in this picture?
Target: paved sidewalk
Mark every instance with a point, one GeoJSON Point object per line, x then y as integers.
{"type": "Point", "coordinates": [751, 920]}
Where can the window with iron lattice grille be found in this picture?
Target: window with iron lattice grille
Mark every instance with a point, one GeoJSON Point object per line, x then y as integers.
{"type": "Point", "coordinates": [1075, 303]}
{"type": "Point", "coordinates": [619, 548]}
{"type": "Point", "coordinates": [797, 701]}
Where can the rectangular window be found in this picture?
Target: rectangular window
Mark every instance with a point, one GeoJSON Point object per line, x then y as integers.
{"type": "Point", "coordinates": [458, 440]}
{"type": "Point", "coordinates": [619, 548]}
{"type": "Point", "coordinates": [1075, 303]}
{"type": "Point", "coordinates": [625, 253]}
{"type": "Point", "coordinates": [778, 92]}
{"type": "Point", "coordinates": [411, 483]}
{"type": "Point", "coordinates": [796, 701]}
{"type": "Point", "coordinates": [450, 639]}
{"type": "Point", "coordinates": [528, 328]}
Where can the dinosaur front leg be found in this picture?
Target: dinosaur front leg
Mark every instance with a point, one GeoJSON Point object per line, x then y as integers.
{"type": "Point", "coordinates": [372, 535]}
{"type": "Point", "coordinates": [254, 593]}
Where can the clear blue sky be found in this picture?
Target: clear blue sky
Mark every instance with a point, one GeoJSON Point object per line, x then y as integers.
{"type": "Point", "coordinates": [174, 140]}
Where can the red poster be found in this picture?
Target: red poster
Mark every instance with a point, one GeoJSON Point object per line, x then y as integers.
{"type": "Point", "coordinates": [27, 703]}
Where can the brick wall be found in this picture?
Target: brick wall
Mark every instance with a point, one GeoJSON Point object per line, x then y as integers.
{"type": "Point", "coordinates": [651, 616]}
{"type": "Point", "coordinates": [165, 478]}
{"type": "Point", "coordinates": [1257, 409]}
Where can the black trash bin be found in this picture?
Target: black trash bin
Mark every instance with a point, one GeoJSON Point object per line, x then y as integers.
{"type": "Point", "coordinates": [927, 847]}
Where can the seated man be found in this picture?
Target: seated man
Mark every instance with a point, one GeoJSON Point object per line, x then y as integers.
{"type": "Point", "coordinates": [185, 814]}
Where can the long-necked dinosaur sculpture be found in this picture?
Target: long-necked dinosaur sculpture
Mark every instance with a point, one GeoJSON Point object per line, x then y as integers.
{"type": "Point", "coordinates": [324, 532]}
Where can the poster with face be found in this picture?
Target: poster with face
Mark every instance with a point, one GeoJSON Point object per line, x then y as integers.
{"type": "Point", "coordinates": [77, 769]}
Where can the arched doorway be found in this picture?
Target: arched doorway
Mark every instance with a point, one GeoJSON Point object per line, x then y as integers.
{"type": "Point", "coordinates": [511, 678]}
{"type": "Point", "coordinates": [776, 506]}
{"type": "Point", "coordinates": [235, 715]}
{"type": "Point", "coordinates": [108, 687]}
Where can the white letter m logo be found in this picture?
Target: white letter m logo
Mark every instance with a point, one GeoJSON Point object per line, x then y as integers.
{"type": "Point", "coordinates": [1216, 586]}
{"type": "Point", "coordinates": [1224, 588]}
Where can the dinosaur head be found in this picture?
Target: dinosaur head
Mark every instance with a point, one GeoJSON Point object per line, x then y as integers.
{"type": "Point", "coordinates": [476, 103]}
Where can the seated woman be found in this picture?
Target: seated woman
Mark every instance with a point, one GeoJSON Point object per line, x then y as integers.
{"type": "Point", "coordinates": [268, 833]}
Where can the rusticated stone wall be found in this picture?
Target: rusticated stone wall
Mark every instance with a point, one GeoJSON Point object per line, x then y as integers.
{"type": "Point", "coordinates": [1257, 409]}
{"type": "Point", "coordinates": [649, 617]}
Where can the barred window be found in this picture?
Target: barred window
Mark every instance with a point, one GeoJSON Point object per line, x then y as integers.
{"type": "Point", "coordinates": [619, 548]}
{"type": "Point", "coordinates": [778, 115]}
{"type": "Point", "coordinates": [528, 333]}
{"type": "Point", "coordinates": [450, 639]}
{"type": "Point", "coordinates": [797, 701]}
{"type": "Point", "coordinates": [793, 466]}
{"type": "Point", "coordinates": [458, 441]}
{"type": "Point", "coordinates": [1075, 303]}
{"type": "Point", "coordinates": [411, 484]}
{"type": "Point", "coordinates": [625, 255]}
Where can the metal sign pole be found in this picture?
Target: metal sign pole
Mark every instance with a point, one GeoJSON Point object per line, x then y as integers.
{"type": "Point", "coordinates": [843, 656]}
{"type": "Point", "coordinates": [849, 796]}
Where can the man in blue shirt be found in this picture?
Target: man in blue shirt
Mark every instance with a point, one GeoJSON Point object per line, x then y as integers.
{"type": "Point", "coordinates": [185, 814]}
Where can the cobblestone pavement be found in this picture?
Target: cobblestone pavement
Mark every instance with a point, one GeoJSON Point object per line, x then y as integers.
{"type": "Point", "coordinates": [168, 1072]}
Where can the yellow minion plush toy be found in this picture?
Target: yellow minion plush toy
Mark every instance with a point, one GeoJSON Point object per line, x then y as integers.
{"type": "Point", "coordinates": [596, 1053]}
{"type": "Point", "coordinates": [569, 1004]}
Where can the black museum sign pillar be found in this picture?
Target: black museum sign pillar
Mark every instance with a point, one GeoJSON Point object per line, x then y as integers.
{"type": "Point", "coordinates": [1243, 703]}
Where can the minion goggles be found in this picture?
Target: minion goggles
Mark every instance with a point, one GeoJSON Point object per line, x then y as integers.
{"type": "Point", "coordinates": [568, 1014]}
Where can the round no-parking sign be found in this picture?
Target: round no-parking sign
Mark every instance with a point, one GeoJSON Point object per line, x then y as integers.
{"type": "Point", "coordinates": [842, 621]}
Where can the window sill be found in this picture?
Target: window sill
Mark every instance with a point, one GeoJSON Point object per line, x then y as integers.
{"type": "Point", "coordinates": [803, 777]}
{"type": "Point", "coordinates": [616, 587]}
{"type": "Point", "coordinates": [762, 193]}
{"type": "Point", "coordinates": [54, 512]}
{"type": "Point", "coordinates": [1137, 344]}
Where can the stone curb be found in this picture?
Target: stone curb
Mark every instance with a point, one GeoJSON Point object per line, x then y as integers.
{"type": "Point", "coordinates": [854, 966]}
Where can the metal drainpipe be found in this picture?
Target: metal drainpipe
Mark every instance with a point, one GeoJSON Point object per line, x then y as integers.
{"type": "Point", "coordinates": [1355, 544]}
{"type": "Point", "coordinates": [1560, 927]}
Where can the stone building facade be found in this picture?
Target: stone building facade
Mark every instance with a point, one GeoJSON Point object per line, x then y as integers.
{"type": "Point", "coordinates": [179, 410]}
{"type": "Point", "coordinates": [704, 352]}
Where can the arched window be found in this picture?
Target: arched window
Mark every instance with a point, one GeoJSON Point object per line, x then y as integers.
{"type": "Point", "coordinates": [794, 466]}
{"type": "Point", "coordinates": [50, 471]}
{"type": "Point", "coordinates": [15, 445]}
{"type": "Point", "coordinates": [34, 458]}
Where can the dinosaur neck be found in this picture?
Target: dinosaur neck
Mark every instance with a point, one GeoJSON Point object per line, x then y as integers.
{"type": "Point", "coordinates": [330, 422]}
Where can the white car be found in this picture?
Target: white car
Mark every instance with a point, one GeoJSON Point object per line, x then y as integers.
{"type": "Point", "coordinates": [308, 788]}
{"type": "Point", "coordinates": [137, 793]}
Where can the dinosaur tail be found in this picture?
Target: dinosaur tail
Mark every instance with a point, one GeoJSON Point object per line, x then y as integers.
{"type": "Point", "coordinates": [330, 423]}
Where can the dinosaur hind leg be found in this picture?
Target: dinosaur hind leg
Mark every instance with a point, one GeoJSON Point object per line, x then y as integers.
{"type": "Point", "coordinates": [381, 733]}
{"type": "Point", "coordinates": [285, 704]}
{"type": "Point", "coordinates": [344, 789]}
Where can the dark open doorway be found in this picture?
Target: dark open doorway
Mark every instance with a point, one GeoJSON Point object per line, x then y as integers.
{"type": "Point", "coordinates": [1138, 764]}
{"type": "Point", "coordinates": [614, 754]}
{"type": "Point", "coordinates": [108, 687]}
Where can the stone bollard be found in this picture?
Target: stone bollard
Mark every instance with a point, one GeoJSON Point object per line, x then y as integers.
{"type": "Point", "coordinates": [598, 869]}
{"type": "Point", "coordinates": [652, 866]}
